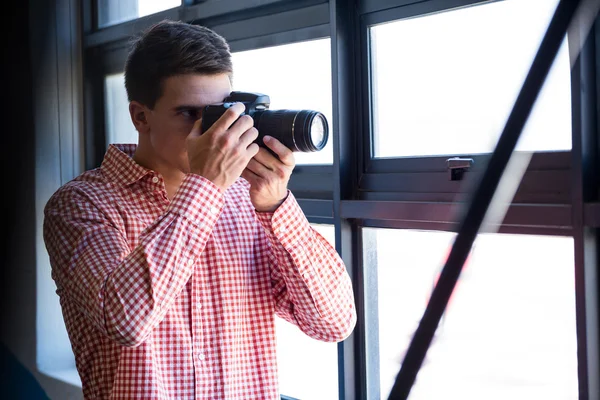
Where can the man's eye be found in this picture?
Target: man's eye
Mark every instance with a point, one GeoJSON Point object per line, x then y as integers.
{"type": "Point", "coordinates": [191, 114]}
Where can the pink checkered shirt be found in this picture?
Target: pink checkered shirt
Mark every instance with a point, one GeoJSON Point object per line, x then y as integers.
{"type": "Point", "coordinates": [177, 299]}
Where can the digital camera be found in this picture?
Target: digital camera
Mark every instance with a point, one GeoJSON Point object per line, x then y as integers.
{"type": "Point", "coordinates": [298, 130]}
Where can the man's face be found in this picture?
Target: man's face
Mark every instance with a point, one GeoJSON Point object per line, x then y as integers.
{"type": "Point", "coordinates": [176, 111]}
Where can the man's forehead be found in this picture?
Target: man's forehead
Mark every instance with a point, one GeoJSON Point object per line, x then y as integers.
{"type": "Point", "coordinates": [196, 88]}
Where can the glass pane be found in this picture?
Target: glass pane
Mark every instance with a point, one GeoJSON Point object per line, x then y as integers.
{"type": "Point", "coordinates": [509, 331]}
{"type": "Point", "coordinates": [444, 84]}
{"type": "Point", "coordinates": [308, 368]}
{"type": "Point", "coordinates": [119, 128]}
{"type": "Point", "coordinates": [111, 12]}
{"type": "Point", "coordinates": [295, 76]}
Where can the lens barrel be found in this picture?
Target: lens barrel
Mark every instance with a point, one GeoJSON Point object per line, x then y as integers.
{"type": "Point", "coordinates": [293, 128]}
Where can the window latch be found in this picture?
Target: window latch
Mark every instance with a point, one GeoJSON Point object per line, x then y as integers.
{"type": "Point", "coordinates": [457, 167]}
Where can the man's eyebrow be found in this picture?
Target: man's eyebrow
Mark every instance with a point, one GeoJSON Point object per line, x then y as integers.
{"type": "Point", "coordinates": [185, 107]}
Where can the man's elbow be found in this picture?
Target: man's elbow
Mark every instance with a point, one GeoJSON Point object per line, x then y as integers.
{"type": "Point", "coordinates": [347, 327]}
{"type": "Point", "coordinates": [341, 329]}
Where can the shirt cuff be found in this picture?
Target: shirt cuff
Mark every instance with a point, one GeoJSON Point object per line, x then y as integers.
{"type": "Point", "coordinates": [198, 200]}
{"type": "Point", "coordinates": [288, 224]}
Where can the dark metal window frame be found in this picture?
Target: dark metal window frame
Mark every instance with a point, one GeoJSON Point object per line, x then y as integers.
{"type": "Point", "coordinates": [585, 205]}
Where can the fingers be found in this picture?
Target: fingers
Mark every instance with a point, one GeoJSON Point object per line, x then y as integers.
{"type": "Point", "coordinates": [252, 150]}
{"type": "Point", "coordinates": [231, 120]}
{"type": "Point", "coordinates": [258, 168]}
{"type": "Point", "coordinates": [243, 124]}
{"type": "Point", "coordinates": [286, 156]}
{"type": "Point", "coordinates": [196, 129]}
{"type": "Point", "coordinates": [250, 176]}
{"type": "Point", "coordinates": [240, 135]}
{"type": "Point", "coordinates": [248, 137]}
{"type": "Point", "coordinates": [266, 166]}
{"type": "Point", "coordinates": [266, 159]}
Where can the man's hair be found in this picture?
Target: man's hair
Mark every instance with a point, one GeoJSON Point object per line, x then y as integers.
{"type": "Point", "coordinates": [171, 48]}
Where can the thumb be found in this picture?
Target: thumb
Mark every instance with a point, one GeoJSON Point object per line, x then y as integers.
{"type": "Point", "coordinates": [196, 129]}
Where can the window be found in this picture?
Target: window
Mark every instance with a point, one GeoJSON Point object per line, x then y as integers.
{"type": "Point", "coordinates": [445, 83]}
{"type": "Point", "coordinates": [112, 12]}
{"type": "Point", "coordinates": [509, 330]}
{"type": "Point", "coordinates": [308, 368]}
{"type": "Point", "coordinates": [119, 127]}
{"type": "Point", "coordinates": [294, 76]}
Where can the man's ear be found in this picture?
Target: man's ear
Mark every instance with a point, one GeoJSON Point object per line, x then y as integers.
{"type": "Point", "coordinates": [139, 114]}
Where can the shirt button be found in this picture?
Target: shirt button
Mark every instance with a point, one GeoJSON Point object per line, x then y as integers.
{"type": "Point", "coordinates": [201, 356]}
{"type": "Point", "coordinates": [214, 210]}
{"type": "Point", "coordinates": [306, 275]}
{"type": "Point", "coordinates": [155, 179]}
{"type": "Point", "coordinates": [282, 229]}
{"type": "Point", "coordinates": [190, 262]}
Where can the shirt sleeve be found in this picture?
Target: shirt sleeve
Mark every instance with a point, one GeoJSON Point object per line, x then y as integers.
{"type": "Point", "coordinates": [125, 292]}
{"type": "Point", "coordinates": [311, 285]}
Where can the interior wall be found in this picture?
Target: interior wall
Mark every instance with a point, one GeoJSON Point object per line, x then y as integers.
{"type": "Point", "coordinates": [29, 50]}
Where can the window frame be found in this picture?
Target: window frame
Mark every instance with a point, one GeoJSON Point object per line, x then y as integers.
{"type": "Point", "coordinates": [544, 181]}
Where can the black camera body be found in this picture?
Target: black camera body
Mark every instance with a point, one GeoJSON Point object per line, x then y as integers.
{"type": "Point", "coordinates": [298, 130]}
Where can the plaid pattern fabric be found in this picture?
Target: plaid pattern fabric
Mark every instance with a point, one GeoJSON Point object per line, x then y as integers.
{"type": "Point", "coordinates": [177, 299]}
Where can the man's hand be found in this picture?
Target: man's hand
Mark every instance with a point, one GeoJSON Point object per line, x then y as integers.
{"type": "Point", "coordinates": [269, 176]}
{"type": "Point", "coordinates": [222, 152]}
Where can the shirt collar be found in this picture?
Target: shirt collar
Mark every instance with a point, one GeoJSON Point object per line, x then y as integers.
{"type": "Point", "coordinates": [118, 165]}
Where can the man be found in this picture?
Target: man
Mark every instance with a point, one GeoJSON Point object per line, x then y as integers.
{"type": "Point", "coordinates": [172, 259]}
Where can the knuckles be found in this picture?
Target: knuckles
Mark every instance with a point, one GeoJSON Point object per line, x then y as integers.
{"type": "Point", "coordinates": [247, 121]}
{"type": "Point", "coordinates": [232, 112]}
{"type": "Point", "coordinates": [280, 173]}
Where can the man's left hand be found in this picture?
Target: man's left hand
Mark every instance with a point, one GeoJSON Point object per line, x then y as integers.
{"type": "Point", "coordinates": [269, 176]}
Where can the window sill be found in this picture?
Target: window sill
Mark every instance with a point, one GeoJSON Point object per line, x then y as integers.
{"type": "Point", "coordinates": [67, 375]}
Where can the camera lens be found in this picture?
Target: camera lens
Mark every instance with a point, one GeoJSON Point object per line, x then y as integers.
{"type": "Point", "coordinates": [303, 130]}
{"type": "Point", "coordinates": [317, 132]}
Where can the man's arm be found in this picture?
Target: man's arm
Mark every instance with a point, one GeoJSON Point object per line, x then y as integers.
{"type": "Point", "coordinates": [311, 286]}
{"type": "Point", "coordinates": [126, 292]}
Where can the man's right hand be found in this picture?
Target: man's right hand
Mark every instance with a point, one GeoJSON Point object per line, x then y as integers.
{"type": "Point", "coordinates": [222, 152]}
